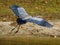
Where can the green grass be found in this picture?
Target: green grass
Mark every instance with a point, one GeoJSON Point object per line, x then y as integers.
{"type": "Point", "coordinates": [29, 41]}
{"type": "Point", "coordinates": [47, 9]}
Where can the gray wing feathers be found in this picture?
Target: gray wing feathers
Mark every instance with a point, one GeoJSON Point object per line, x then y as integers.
{"type": "Point", "coordinates": [39, 21]}
{"type": "Point", "coordinates": [22, 13]}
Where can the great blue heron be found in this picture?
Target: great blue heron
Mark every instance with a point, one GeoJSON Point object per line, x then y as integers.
{"type": "Point", "coordinates": [23, 17]}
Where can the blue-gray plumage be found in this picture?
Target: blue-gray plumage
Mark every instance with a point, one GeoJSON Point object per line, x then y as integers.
{"type": "Point", "coordinates": [23, 17]}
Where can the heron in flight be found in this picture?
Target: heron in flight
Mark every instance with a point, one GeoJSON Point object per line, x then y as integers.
{"type": "Point", "coordinates": [23, 18]}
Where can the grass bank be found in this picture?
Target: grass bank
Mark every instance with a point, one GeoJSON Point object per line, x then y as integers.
{"type": "Point", "coordinates": [47, 9]}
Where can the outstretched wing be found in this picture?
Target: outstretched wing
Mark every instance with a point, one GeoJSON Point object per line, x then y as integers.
{"type": "Point", "coordinates": [39, 21]}
{"type": "Point", "coordinates": [19, 11]}
{"type": "Point", "coordinates": [14, 9]}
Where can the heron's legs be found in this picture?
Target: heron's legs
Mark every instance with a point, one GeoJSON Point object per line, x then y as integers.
{"type": "Point", "coordinates": [14, 28]}
{"type": "Point", "coordinates": [17, 29]}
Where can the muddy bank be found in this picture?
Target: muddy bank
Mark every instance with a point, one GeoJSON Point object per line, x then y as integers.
{"type": "Point", "coordinates": [31, 29]}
